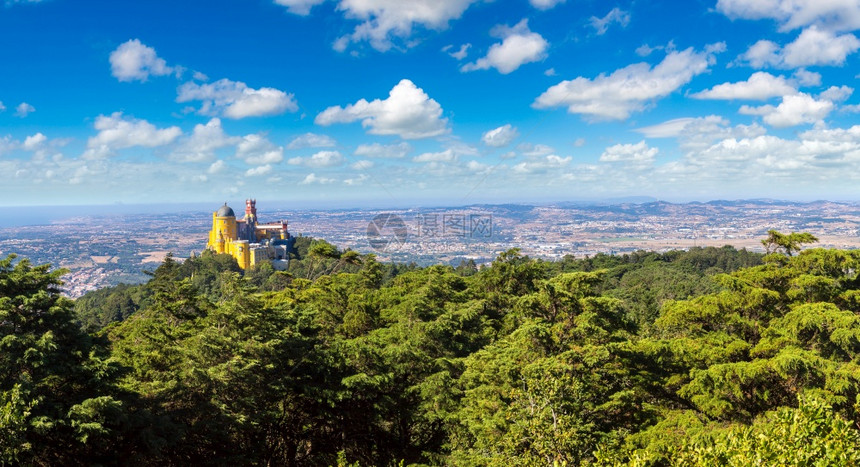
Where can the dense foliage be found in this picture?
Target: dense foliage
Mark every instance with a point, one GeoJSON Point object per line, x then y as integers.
{"type": "Point", "coordinates": [708, 357]}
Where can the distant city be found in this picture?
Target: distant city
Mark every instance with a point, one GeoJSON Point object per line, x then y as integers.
{"type": "Point", "coordinates": [110, 248]}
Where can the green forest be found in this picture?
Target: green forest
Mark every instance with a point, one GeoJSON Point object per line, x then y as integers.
{"type": "Point", "coordinates": [712, 356]}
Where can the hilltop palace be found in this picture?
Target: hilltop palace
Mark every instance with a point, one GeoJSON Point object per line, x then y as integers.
{"type": "Point", "coordinates": [247, 241]}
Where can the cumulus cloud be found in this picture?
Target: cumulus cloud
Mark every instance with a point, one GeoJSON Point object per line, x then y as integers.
{"type": "Point", "coordinates": [383, 21]}
{"type": "Point", "coordinates": [836, 93]}
{"type": "Point", "coordinates": [256, 149]}
{"type": "Point", "coordinates": [24, 109]}
{"type": "Point", "coordinates": [501, 136]}
{"type": "Point", "coordinates": [257, 171]}
{"type": "Point", "coordinates": [793, 110]}
{"type": "Point", "coordinates": [217, 166]}
{"type": "Point", "coordinates": [383, 151]}
{"type": "Point", "coordinates": [2, 107]}
{"type": "Point", "coordinates": [616, 15]}
{"type": "Point", "coordinates": [319, 160]}
{"type": "Point", "coordinates": [234, 99]}
{"type": "Point", "coordinates": [759, 86]}
{"type": "Point", "coordinates": [813, 47]}
{"type": "Point", "coordinates": [312, 178]}
{"type": "Point", "coordinates": [34, 142]}
{"type": "Point", "coordinates": [792, 14]}
{"type": "Point", "coordinates": [312, 140]}
{"type": "Point", "coordinates": [819, 47]}
{"type": "Point", "coordinates": [119, 132]}
{"type": "Point", "coordinates": [807, 78]}
{"type": "Point", "coordinates": [519, 46]}
{"type": "Point", "coordinates": [627, 90]}
{"type": "Point", "coordinates": [633, 154]}
{"type": "Point", "coordinates": [134, 61]}
{"type": "Point", "coordinates": [203, 142]}
{"type": "Point", "coordinates": [407, 112]}
{"type": "Point", "coordinates": [299, 7]}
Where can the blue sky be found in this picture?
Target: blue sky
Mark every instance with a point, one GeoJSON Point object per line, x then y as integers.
{"type": "Point", "coordinates": [350, 103]}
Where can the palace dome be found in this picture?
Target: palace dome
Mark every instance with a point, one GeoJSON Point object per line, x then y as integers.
{"type": "Point", "coordinates": [225, 211]}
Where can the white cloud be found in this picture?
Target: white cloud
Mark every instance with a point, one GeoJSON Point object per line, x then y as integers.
{"type": "Point", "coordinates": [819, 47]}
{"type": "Point", "coordinates": [216, 167]}
{"type": "Point", "coordinates": [384, 20]}
{"type": "Point", "coordinates": [635, 154]}
{"type": "Point", "coordinates": [448, 155]}
{"type": "Point", "coordinates": [407, 112]}
{"type": "Point", "coordinates": [382, 151]}
{"type": "Point", "coordinates": [356, 181]}
{"type": "Point", "coordinates": [530, 150]}
{"type": "Point", "coordinates": [361, 165]}
{"type": "Point", "coordinates": [627, 90]}
{"type": "Point", "coordinates": [705, 131]}
{"type": "Point", "coordinates": [234, 99]}
{"type": "Point", "coordinates": [24, 109]}
{"type": "Point", "coordinates": [759, 86]}
{"type": "Point", "coordinates": [519, 46]}
{"type": "Point", "coordinates": [256, 149]}
{"type": "Point", "coordinates": [813, 46]}
{"type": "Point", "coordinates": [667, 129]}
{"type": "Point", "coordinates": [320, 159]}
{"type": "Point", "coordinates": [33, 142]}
{"type": "Point", "coordinates": [807, 78]}
{"type": "Point", "coordinates": [257, 171]}
{"type": "Point", "coordinates": [761, 54]}
{"type": "Point", "coordinates": [460, 53]}
{"type": "Point", "coordinates": [695, 134]}
{"type": "Point", "coordinates": [134, 61]}
{"type": "Point", "coordinates": [549, 72]}
{"type": "Point", "coordinates": [645, 50]}
{"type": "Point", "coordinates": [312, 178]}
{"type": "Point", "coordinates": [299, 7]}
{"type": "Point", "coordinates": [2, 107]}
{"type": "Point", "coordinates": [545, 4]}
{"type": "Point", "coordinates": [501, 136]}
{"type": "Point", "coordinates": [836, 93]}
{"type": "Point", "coordinates": [616, 15]}
{"type": "Point", "coordinates": [203, 142]}
{"type": "Point", "coordinates": [312, 140]}
{"type": "Point", "coordinates": [793, 14]}
{"type": "Point", "coordinates": [542, 164]}
{"type": "Point", "coordinates": [793, 110]}
{"type": "Point", "coordinates": [118, 132]}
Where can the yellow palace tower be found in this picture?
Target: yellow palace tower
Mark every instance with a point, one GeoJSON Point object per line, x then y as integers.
{"type": "Point", "coordinates": [248, 241]}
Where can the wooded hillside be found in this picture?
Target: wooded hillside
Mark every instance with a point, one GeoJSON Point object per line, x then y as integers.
{"type": "Point", "coordinates": [707, 357]}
